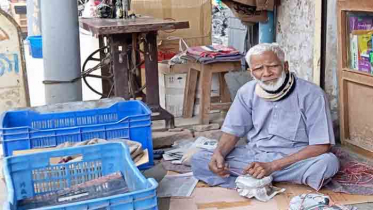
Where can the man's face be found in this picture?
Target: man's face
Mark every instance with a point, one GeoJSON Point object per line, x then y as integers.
{"type": "Point", "coordinates": [267, 68]}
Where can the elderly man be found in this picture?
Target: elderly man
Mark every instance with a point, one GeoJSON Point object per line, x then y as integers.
{"type": "Point", "coordinates": [287, 123]}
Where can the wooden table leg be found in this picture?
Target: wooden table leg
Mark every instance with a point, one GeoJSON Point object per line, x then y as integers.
{"type": "Point", "coordinates": [151, 70]}
{"type": "Point", "coordinates": [119, 49]}
{"type": "Point", "coordinates": [205, 80]}
{"type": "Point", "coordinates": [152, 83]}
{"type": "Point", "coordinates": [106, 86]}
{"type": "Point", "coordinates": [136, 61]}
{"type": "Point", "coordinates": [225, 96]}
{"type": "Point", "coordinates": [190, 93]}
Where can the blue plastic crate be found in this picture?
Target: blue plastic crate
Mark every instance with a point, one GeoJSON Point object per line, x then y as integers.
{"type": "Point", "coordinates": [36, 46]}
{"type": "Point", "coordinates": [33, 174]}
{"type": "Point", "coordinates": [26, 129]}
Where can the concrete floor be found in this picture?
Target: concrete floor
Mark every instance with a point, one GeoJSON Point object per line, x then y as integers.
{"type": "Point", "coordinates": [157, 172]}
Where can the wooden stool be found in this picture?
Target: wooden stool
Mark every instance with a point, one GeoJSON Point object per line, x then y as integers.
{"type": "Point", "coordinates": [206, 71]}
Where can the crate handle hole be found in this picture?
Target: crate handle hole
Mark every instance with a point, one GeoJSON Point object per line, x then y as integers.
{"type": "Point", "coordinates": [65, 159]}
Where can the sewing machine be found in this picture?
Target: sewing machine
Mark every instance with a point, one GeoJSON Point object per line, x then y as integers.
{"type": "Point", "coordinates": [127, 44]}
{"type": "Point", "coordinates": [126, 8]}
{"type": "Point", "coordinates": [115, 9]}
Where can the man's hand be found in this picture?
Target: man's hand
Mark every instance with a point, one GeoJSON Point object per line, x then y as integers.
{"type": "Point", "coordinates": [259, 169]}
{"type": "Point", "coordinates": [218, 165]}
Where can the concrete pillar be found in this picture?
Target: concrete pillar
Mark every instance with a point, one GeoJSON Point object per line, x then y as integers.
{"type": "Point", "coordinates": [267, 29]}
{"type": "Point", "coordinates": [61, 50]}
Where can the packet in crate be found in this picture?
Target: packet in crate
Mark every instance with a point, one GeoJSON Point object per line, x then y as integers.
{"type": "Point", "coordinates": [112, 184]}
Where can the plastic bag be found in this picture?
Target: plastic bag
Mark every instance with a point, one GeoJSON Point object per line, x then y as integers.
{"type": "Point", "coordinates": [89, 9]}
{"type": "Point", "coordinates": [183, 46]}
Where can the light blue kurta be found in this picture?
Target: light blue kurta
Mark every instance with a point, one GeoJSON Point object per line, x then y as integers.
{"type": "Point", "coordinates": [275, 130]}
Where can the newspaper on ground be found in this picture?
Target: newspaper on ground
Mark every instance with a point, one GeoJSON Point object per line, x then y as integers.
{"type": "Point", "coordinates": [181, 185]}
{"type": "Point", "coordinates": [205, 143]}
{"type": "Point", "coordinates": [182, 147]}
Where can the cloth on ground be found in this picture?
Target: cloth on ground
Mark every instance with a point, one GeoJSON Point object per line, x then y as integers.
{"type": "Point", "coordinates": [315, 201]}
{"type": "Point", "coordinates": [261, 189]}
{"type": "Point", "coordinates": [355, 175]}
{"type": "Point", "coordinates": [135, 148]}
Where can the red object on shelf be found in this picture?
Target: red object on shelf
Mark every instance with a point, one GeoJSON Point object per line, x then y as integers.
{"type": "Point", "coordinates": [162, 55]}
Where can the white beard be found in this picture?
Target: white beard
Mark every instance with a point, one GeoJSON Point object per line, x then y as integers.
{"type": "Point", "coordinates": [273, 86]}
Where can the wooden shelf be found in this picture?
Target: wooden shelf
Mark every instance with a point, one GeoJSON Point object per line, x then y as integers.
{"type": "Point", "coordinates": [355, 87]}
{"type": "Point", "coordinates": [358, 72]}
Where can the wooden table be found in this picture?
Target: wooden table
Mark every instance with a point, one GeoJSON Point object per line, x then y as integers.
{"type": "Point", "coordinates": [123, 38]}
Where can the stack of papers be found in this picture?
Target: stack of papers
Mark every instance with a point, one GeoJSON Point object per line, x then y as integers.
{"type": "Point", "coordinates": [181, 185]}
{"type": "Point", "coordinates": [177, 154]}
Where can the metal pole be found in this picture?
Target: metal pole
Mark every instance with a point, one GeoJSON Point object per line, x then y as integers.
{"type": "Point", "coordinates": [267, 29]}
{"type": "Point", "coordinates": [61, 50]}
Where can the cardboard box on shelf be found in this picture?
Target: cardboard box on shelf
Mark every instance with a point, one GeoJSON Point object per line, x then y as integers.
{"type": "Point", "coordinates": [172, 81]}
{"type": "Point", "coordinates": [200, 22]}
{"type": "Point", "coordinates": [167, 69]}
{"type": "Point", "coordinates": [172, 89]}
{"type": "Point", "coordinates": [246, 13]}
{"type": "Point", "coordinates": [265, 5]}
{"type": "Point", "coordinates": [259, 4]}
{"type": "Point", "coordinates": [174, 104]}
{"type": "Point", "coordinates": [174, 84]}
{"type": "Point", "coordinates": [164, 68]}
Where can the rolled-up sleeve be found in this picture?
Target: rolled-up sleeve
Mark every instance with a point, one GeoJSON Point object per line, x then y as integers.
{"type": "Point", "coordinates": [238, 121]}
{"type": "Point", "coordinates": [319, 122]}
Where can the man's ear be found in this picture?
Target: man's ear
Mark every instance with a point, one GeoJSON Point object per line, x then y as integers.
{"type": "Point", "coordinates": [286, 67]}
